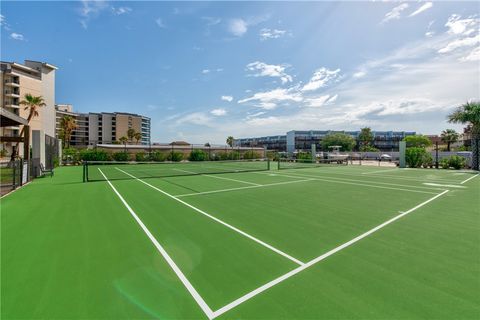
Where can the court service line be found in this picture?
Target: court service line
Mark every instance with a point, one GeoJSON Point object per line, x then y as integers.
{"type": "Point", "coordinates": [241, 188]}
{"type": "Point", "coordinates": [469, 179]}
{"type": "Point", "coordinates": [376, 182]}
{"type": "Point", "coordinates": [223, 178]}
{"type": "Point", "coordinates": [203, 305]}
{"type": "Point", "coordinates": [216, 219]}
{"type": "Point", "coordinates": [276, 281]}
{"type": "Point", "coordinates": [357, 184]}
{"type": "Point", "coordinates": [385, 170]}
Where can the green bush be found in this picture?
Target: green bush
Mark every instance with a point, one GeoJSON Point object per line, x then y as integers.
{"type": "Point", "coordinates": [120, 156]}
{"type": "Point", "coordinates": [158, 156]}
{"type": "Point", "coordinates": [417, 141]}
{"type": "Point", "coordinates": [464, 148]}
{"type": "Point", "coordinates": [368, 148]}
{"type": "Point", "coordinates": [198, 155]}
{"type": "Point", "coordinates": [250, 155]}
{"type": "Point", "coordinates": [415, 157]}
{"type": "Point", "coordinates": [455, 162]}
{"type": "Point", "coordinates": [221, 156]}
{"type": "Point", "coordinates": [142, 156]}
{"type": "Point", "coordinates": [427, 161]}
{"type": "Point", "coordinates": [345, 141]}
{"type": "Point", "coordinates": [305, 156]}
{"type": "Point", "coordinates": [234, 155]}
{"type": "Point", "coordinates": [175, 156]}
{"type": "Point", "coordinates": [93, 155]}
{"type": "Point", "coordinates": [70, 154]}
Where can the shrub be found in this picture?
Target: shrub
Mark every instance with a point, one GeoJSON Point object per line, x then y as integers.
{"type": "Point", "coordinates": [455, 162]}
{"type": "Point", "coordinates": [234, 155]}
{"type": "Point", "coordinates": [175, 156]}
{"type": "Point", "coordinates": [368, 148]}
{"type": "Point", "coordinates": [272, 155]}
{"type": "Point", "coordinates": [345, 141]}
{"type": "Point", "coordinates": [70, 154]}
{"type": "Point", "coordinates": [304, 156]}
{"type": "Point", "coordinates": [427, 161]}
{"type": "Point", "coordinates": [198, 155]}
{"type": "Point", "coordinates": [142, 156]}
{"type": "Point", "coordinates": [251, 155]}
{"type": "Point", "coordinates": [417, 141]}
{"type": "Point", "coordinates": [120, 156]}
{"type": "Point", "coordinates": [93, 155]}
{"type": "Point", "coordinates": [221, 156]}
{"type": "Point", "coordinates": [158, 156]}
{"type": "Point", "coordinates": [415, 157]}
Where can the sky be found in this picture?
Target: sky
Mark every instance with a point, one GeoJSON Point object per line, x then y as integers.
{"type": "Point", "coordinates": [205, 70]}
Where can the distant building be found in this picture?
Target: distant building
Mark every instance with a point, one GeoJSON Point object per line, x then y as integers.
{"type": "Point", "coordinates": [302, 140]}
{"type": "Point", "coordinates": [104, 127]}
{"type": "Point", "coordinates": [35, 78]}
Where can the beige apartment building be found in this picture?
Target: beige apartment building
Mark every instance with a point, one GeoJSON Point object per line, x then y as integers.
{"type": "Point", "coordinates": [102, 128]}
{"type": "Point", "coordinates": [36, 78]}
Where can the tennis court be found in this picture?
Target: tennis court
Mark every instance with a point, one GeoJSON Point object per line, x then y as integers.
{"type": "Point", "coordinates": [244, 239]}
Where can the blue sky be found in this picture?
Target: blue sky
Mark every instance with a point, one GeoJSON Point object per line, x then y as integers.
{"type": "Point", "coordinates": [206, 70]}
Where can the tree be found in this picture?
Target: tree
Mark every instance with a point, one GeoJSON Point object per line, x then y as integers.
{"type": "Point", "coordinates": [32, 104]}
{"type": "Point", "coordinates": [417, 141]}
{"type": "Point", "coordinates": [469, 114]}
{"type": "Point", "coordinates": [345, 141]}
{"type": "Point", "coordinates": [124, 141]}
{"type": "Point", "coordinates": [230, 141]}
{"type": "Point", "coordinates": [365, 137]}
{"type": "Point", "coordinates": [449, 136]}
{"type": "Point", "coordinates": [137, 136]}
{"type": "Point", "coordinates": [131, 134]}
{"type": "Point", "coordinates": [67, 126]}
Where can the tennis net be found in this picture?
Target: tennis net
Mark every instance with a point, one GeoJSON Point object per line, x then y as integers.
{"type": "Point", "coordinates": [114, 170]}
{"type": "Point", "coordinates": [307, 163]}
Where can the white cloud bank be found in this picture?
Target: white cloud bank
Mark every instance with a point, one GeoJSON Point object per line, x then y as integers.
{"type": "Point", "coordinates": [321, 78]}
{"type": "Point", "coordinates": [227, 98]}
{"type": "Point", "coordinates": [269, 70]}
{"type": "Point", "coordinates": [395, 13]}
{"type": "Point", "coordinates": [219, 112]}
{"type": "Point", "coordinates": [422, 8]}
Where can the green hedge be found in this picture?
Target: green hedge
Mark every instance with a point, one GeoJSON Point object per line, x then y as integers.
{"type": "Point", "coordinates": [198, 155]}
{"type": "Point", "coordinates": [120, 156]}
{"type": "Point", "coordinates": [455, 162]}
{"type": "Point", "coordinates": [175, 156]}
{"type": "Point", "coordinates": [94, 155]}
{"type": "Point", "coordinates": [415, 157]}
{"type": "Point", "coordinates": [251, 155]}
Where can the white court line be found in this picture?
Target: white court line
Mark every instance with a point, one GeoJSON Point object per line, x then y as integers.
{"type": "Point", "coordinates": [385, 170]}
{"type": "Point", "coordinates": [241, 188]}
{"type": "Point", "coordinates": [272, 283]}
{"type": "Point", "coordinates": [468, 179]}
{"type": "Point", "coordinates": [223, 178]}
{"type": "Point", "coordinates": [357, 184]}
{"type": "Point", "coordinates": [216, 219]}
{"type": "Point", "coordinates": [203, 305]}
{"type": "Point", "coordinates": [368, 181]}
{"type": "Point", "coordinates": [444, 185]}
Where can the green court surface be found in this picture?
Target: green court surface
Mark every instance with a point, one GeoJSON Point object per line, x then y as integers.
{"type": "Point", "coordinates": [332, 242]}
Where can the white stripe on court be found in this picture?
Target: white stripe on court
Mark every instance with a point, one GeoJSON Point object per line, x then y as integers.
{"type": "Point", "coordinates": [223, 178]}
{"type": "Point", "coordinates": [385, 170]}
{"type": "Point", "coordinates": [216, 219]}
{"type": "Point", "coordinates": [203, 305]}
{"type": "Point", "coordinates": [444, 185]}
{"type": "Point", "coordinates": [468, 179]}
{"type": "Point", "coordinates": [272, 283]}
{"type": "Point", "coordinates": [354, 183]}
{"type": "Point", "coordinates": [241, 188]}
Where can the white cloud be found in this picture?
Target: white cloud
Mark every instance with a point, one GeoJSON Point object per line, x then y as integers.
{"type": "Point", "coordinates": [255, 115]}
{"type": "Point", "coordinates": [205, 71]}
{"type": "Point", "coordinates": [395, 13]}
{"type": "Point", "coordinates": [91, 9]}
{"type": "Point", "coordinates": [269, 99]}
{"type": "Point", "coordinates": [321, 78]}
{"type": "Point", "coordinates": [269, 70]}
{"type": "Point", "coordinates": [17, 36]}
{"type": "Point", "coordinates": [238, 27]}
{"type": "Point", "coordinates": [459, 43]}
{"type": "Point", "coordinates": [456, 25]}
{"type": "Point", "coordinates": [422, 8]}
{"type": "Point", "coordinates": [121, 10]}
{"type": "Point", "coordinates": [429, 34]}
{"type": "Point", "coordinates": [211, 21]}
{"type": "Point", "coordinates": [219, 112]}
{"type": "Point", "coordinates": [197, 118]}
{"type": "Point", "coordinates": [321, 101]}
{"type": "Point", "coordinates": [266, 34]}
{"type": "Point", "coordinates": [160, 23]}
{"type": "Point", "coordinates": [227, 98]}
{"type": "Point", "coordinates": [474, 55]}
{"type": "Point", "coordinates": [359, 74]}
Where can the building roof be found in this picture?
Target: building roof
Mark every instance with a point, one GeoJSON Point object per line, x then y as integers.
{"type": "Point", "coordinates": [8, 119]}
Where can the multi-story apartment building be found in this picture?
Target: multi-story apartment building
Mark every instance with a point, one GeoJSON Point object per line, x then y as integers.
{"type": "Point", "coordinates": [302, 140]}
{"type": "Point", "coordinates": [35, 78]}
{"type": "Point", "coordinates": [103, 128]}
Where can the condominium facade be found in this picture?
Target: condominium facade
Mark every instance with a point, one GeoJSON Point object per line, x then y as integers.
{"type": "Point", "coordinates": [102, 127]}
{"type": "Point", "coordinates": [303, 139]}
{"type": "Point", "coordinates": [17, 80]}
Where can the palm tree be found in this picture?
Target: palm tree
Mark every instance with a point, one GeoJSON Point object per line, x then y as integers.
{"type": "Point", "coordinates": [449, 136]}
{"type": "Point", "coordinates": [230, 141]}
{"type": "Point", "coordinates": [67, 126]}
{"type": "Point", "coordinates": [131, 134]}
{"type": "Point", "coordinates": [137, 136]}
{"type": "Point", "coordinates": [365, 137]}
{"type": "Point", "coordinates": [124, 141]}
{"type": "Point", "coordinates": [469, 114]}
{"type": "Point", "coordinates": [32, 104]}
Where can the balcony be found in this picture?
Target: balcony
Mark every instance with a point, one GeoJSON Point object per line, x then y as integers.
{"type": "Point", "coordinates": [12, 104]}
{"type": "Point", "coordinates": [12, 82]}
{"type": "Point", "coordinates": [12, 94]}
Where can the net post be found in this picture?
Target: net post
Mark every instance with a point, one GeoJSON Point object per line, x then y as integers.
{"type": "Point", "coordinates": [84, 165]}
{"type": "Point", "coordinates": [278, 163]}
{"type": "Point", "coordinates": [402, 148]}
{"type": "Point", "coordinates": [268, 164]}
